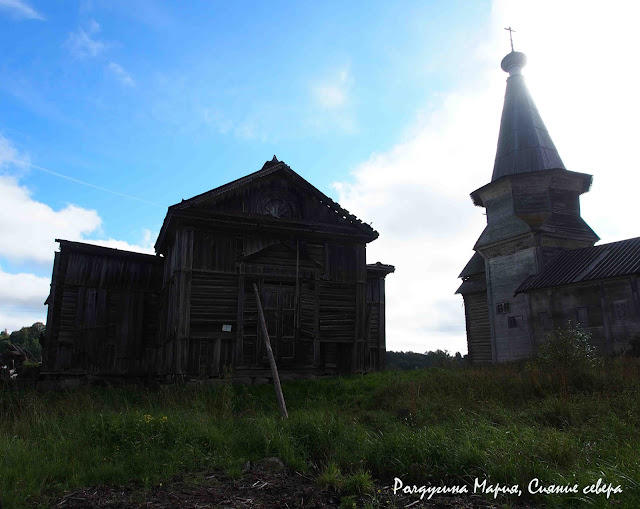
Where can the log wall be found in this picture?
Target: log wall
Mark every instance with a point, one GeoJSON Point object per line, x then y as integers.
{"type": "Point", "coordinates": [104, 312]}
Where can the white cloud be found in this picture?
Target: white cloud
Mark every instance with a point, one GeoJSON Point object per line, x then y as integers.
{"type": "Point", "coordinates": [28, 227]}
{"type": "Point", "coordinates": [82, 43]}
{"type": "Point", "coordinates": [122, 75]}
{"type": "Point", "coordinates": [332, 104]}
{"type": "Point", "coordinates": [332, 92]}
{"type": "Point", "coordinates": [9, 155]}
{"type": "Point", "coordinates": [22, 299]}
{"type": "Point", "coordinates": [146, 246]}
{"type": "Point", "coordinates": [417, 197]}
{"type": "Point", "coordinates": [27, 232]}
{"type": "Point", "coordinates": [23, 289]}
{"type": "Point", "coordinates": [20, 9]}
{"type": "Point", "coordinates": [417, 193]}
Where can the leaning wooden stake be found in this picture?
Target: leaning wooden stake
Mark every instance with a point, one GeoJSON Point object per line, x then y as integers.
{"type": "Point", "coordinates": [272, 361]}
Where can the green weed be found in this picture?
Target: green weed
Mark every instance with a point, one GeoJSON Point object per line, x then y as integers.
{"type": "Point", "coordinates": [507, 423]}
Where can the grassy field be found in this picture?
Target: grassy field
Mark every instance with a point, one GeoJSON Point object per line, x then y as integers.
{"type": "Point", "coordinates": [506, 424]}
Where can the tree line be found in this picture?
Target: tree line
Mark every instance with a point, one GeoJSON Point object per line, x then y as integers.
{"type": "Point", "coordinates": [411, 360]}
{"type": "Point", "coordinates": [27, 338]}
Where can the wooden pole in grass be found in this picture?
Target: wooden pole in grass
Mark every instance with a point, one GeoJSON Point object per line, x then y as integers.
{"type": "Point", "coordinates": [272, 361]}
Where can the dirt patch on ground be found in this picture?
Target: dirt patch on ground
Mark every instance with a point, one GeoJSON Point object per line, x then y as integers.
{"type": "Point", "coordinates": [259, 487]}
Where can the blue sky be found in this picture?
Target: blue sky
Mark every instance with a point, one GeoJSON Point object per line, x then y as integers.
{"type": "Point", "coordinates": [162, 102]}
{"type": "Point", "coordinates": [391, 108]}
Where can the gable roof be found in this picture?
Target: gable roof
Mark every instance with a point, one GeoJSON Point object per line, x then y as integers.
{"type": "Point", "coordinates": [524, 144]}
{"type": "Point", "coordinates": [588, 264]}
{"type": "Point", "coordinates": [270, 167]}
{"type": "Point", "coordinates": [474, 266]}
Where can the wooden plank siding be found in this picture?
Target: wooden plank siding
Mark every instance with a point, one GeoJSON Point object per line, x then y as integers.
{"type": "Point", "coordinates": [191, 312]}
{"type": "Point", "coordinates": [478, 329]}
{"type": "Point", "coordinates": [607, 308]}
{"type": "Point", "coordinates": [337, 302]}
{"type": "Point", "coordinates": [106, 312]}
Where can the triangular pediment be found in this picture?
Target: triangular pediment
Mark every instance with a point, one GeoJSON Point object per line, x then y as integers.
{"type": "Point", "coordinates": [278, 192]}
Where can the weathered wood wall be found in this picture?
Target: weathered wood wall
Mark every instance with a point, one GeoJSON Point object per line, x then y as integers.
{"type": "Point", "coordinates": [609, 310]}
{"type": "Point", "coordinates": [530, 218]}
{"type": "Point", "coordinates": [104, 309]}
{"type": "Point", "coordinates": [193, 312]}
{"type": "Point", "coordinates": [327, 281]}
{"type": "Point", "coordinates": [512, 338]}
{"type": "Point", "coordinates": [478, 330]}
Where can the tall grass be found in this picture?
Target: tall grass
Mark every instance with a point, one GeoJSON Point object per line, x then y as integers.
{"type": "Point", "coordinates": [506, 423]}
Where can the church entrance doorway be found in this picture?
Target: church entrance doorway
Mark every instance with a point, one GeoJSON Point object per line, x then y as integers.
{"type": "Point", "coordinates": [279, 314]}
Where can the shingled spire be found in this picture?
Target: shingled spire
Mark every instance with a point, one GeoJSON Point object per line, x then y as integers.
{"type": "Point", "coordinates": [524, 144]}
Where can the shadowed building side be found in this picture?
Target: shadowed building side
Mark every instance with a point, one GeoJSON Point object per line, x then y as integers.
{"type": "Point", "coordinates": [191, 312]}
{"type": "Point", "coordinates": [103, 311]}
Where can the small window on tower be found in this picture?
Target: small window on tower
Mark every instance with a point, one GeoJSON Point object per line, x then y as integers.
{"type": "Point", "coordinates": [502, 307]}
{"type": "Point", "coordinates": [514, 322]}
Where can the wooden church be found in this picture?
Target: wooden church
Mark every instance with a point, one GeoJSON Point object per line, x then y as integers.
{"type": "Point", "coordinates": [191, 311]}
{"type": "Point", "coordinates": [535, 265]}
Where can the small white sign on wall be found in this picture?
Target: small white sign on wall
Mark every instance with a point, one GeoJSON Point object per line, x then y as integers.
{"type": "Point", "coordinates": [226, 328]}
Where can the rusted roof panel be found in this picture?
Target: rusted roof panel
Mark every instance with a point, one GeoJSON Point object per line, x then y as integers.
{"type": "Point", "coordinates": [587, 264]}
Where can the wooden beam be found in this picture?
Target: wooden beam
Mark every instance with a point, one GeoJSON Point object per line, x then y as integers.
{"type": "Point", "coordinates": [317, 361]}
{"type": "Point", "coordinates": [272, 361]}
{"type": "Point", "coordinates": [239, 350]}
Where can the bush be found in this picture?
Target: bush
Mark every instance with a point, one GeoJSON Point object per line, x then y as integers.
{"type": "Point", "coordinates": [634, 347]}
{"type": "Point", "coordinates": [568, 357]}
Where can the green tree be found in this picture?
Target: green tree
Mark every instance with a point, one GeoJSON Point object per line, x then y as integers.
{"type": "Point", "coordinates": [4, 341]}
{"type": "Point", "coordinates": [29, 338]}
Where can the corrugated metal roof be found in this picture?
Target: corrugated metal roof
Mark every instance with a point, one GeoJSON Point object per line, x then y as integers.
{"type": "Point", "coordinates": [587, 264]}
{"type": "Point", "coordinates": [524, 144]}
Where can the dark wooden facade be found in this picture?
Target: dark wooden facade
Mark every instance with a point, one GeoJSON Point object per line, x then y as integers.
{"type": "Point", "coordinates": [103, 315]}
{"type": "Point", "coordinates": [323, 304]}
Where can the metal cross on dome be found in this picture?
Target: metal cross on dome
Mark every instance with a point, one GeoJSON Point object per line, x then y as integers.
{"type": "Point", "coordinates": [510, 36]}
